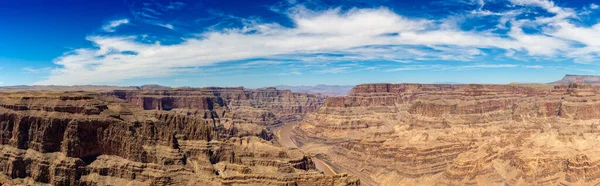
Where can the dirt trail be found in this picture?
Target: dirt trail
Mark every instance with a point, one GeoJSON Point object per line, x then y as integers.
{"type": "Point", "coordinates": [284, 133]}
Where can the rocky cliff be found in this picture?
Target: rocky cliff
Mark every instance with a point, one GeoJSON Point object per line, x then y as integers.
{"type": "Point", "coordinates": [416, 134]}
{"type": "Point", "coordinates": [261, 106]}
{"type": "Point", "coordinates": [131, 138]}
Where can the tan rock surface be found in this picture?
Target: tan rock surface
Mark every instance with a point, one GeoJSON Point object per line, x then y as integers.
{"type": "Point", "coordinates": [261, 106]}
{"type": "Point", "coordinates": [85, 138]}
{"type": "Point", "coordinates": [414, 134]}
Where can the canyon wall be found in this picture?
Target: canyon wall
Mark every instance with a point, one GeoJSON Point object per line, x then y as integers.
{"type": "Point", "coordinates": [153, 137]}
{"type": "Point", "coordinates": [261, 106]}
{"type": "Point", "coordinates": [417, 134]}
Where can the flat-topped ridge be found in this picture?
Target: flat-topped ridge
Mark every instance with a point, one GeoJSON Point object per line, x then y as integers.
{"type": "Point", "coordinates": [586, 79]}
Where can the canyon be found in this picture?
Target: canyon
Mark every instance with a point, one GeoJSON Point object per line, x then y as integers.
{"type": "Point", "coordinates": [428, 134]}
{"type": "Point", "coordinates": [206, 136]}
{"type": "Point", "coordinates": [378, 134]}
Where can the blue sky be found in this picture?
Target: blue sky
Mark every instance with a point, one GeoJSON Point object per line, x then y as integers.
{"type": "Point", "coordinates": [296, 42]}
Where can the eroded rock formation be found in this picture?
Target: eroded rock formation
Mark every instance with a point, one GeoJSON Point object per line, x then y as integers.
{"type": "Point", "coordinates": [261, 106]}
{"type": "Point", "coordinates": [416, 134]}
{"type": "Point", "coordinates": [209, 137]}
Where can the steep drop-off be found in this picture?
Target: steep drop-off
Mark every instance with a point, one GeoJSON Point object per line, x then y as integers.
{"type": "Point", "coordinates": [130, 138]}
{"type": "Point", "coordinates": [416, 134]}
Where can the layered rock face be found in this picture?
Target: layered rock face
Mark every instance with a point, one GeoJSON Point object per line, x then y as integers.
{"type": "Point", "coordinates": [83, 138]}
{"type": "Point", "coordinates": [261, 106]}
{"type": "Point", "coordinates": [416, 134]}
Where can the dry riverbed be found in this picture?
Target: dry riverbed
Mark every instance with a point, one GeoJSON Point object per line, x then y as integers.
{"type": "Point", "coordinates": [284, 133]}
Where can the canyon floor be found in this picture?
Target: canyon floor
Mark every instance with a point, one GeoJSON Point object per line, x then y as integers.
{"type": "Point", "coordinates": [284, 135]}
{"type": "Point", "coordinates": [379, 134]}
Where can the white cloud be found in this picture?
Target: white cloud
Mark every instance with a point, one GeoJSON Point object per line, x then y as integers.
{"type": "Point", "coordinates": [330, 31]}
{"type": "Point", "coordinates": [594, 6]}
{"type": "Point", "coordinates": [112, 25]}
{"type": "Point", "coordinates": [169, 26]}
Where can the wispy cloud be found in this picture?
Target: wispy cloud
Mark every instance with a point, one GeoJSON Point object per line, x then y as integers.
{"type": "Point", "coordinates": [175, 5]}
{"type": "Point", "coordinates": [334, 70]}
{"type": "Point", "coordinates": [36, 70]}
{"type": "Point", "coordinates": [112, 25]}
{"type": "Point", "coordinates": [534, 66]}
{"type": "Point", "coordinates": [405, 69]}
{"type": "Point", "coordinates": [288, 73]}
{"type": "Point", "coordinates": [349, 35]}
{"type": "Point", "coordinates": [480, 66]}
{"type": "Point", "coordinates": [451, 67]}
{"type": "Point", "coordinates": [169, 26]}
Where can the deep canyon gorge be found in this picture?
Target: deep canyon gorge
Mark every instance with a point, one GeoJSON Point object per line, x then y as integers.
{"type": "Point", "coordinates": [378, 134]}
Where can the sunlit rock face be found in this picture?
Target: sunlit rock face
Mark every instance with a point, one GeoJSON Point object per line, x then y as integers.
{"type": "Point", "coordinates": [261, 106]}
{"type": "Point", "coordinates": [208, 136]}
{"type": "Point", "coordinates": [417, 134]}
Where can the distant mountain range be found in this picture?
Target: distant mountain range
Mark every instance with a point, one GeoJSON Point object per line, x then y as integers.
{"type": "Point", "coordinates": [328, 90]}
{"type": "Point", "coordinates": [586, 79]}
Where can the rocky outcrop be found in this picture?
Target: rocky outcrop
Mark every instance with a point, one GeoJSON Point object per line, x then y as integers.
{"type": "Point", "coordinates": [84, 138]}
{"type": "Point", "coordinates": [417, 134]}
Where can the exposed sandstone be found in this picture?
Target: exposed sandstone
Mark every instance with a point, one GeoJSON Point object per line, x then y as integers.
{"type": "Point", "coordinates": [83, 138]}
{"type": "Point", "coordinates": [416, 134]}
{"type": "Point", "coordinates": [261, 106]}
